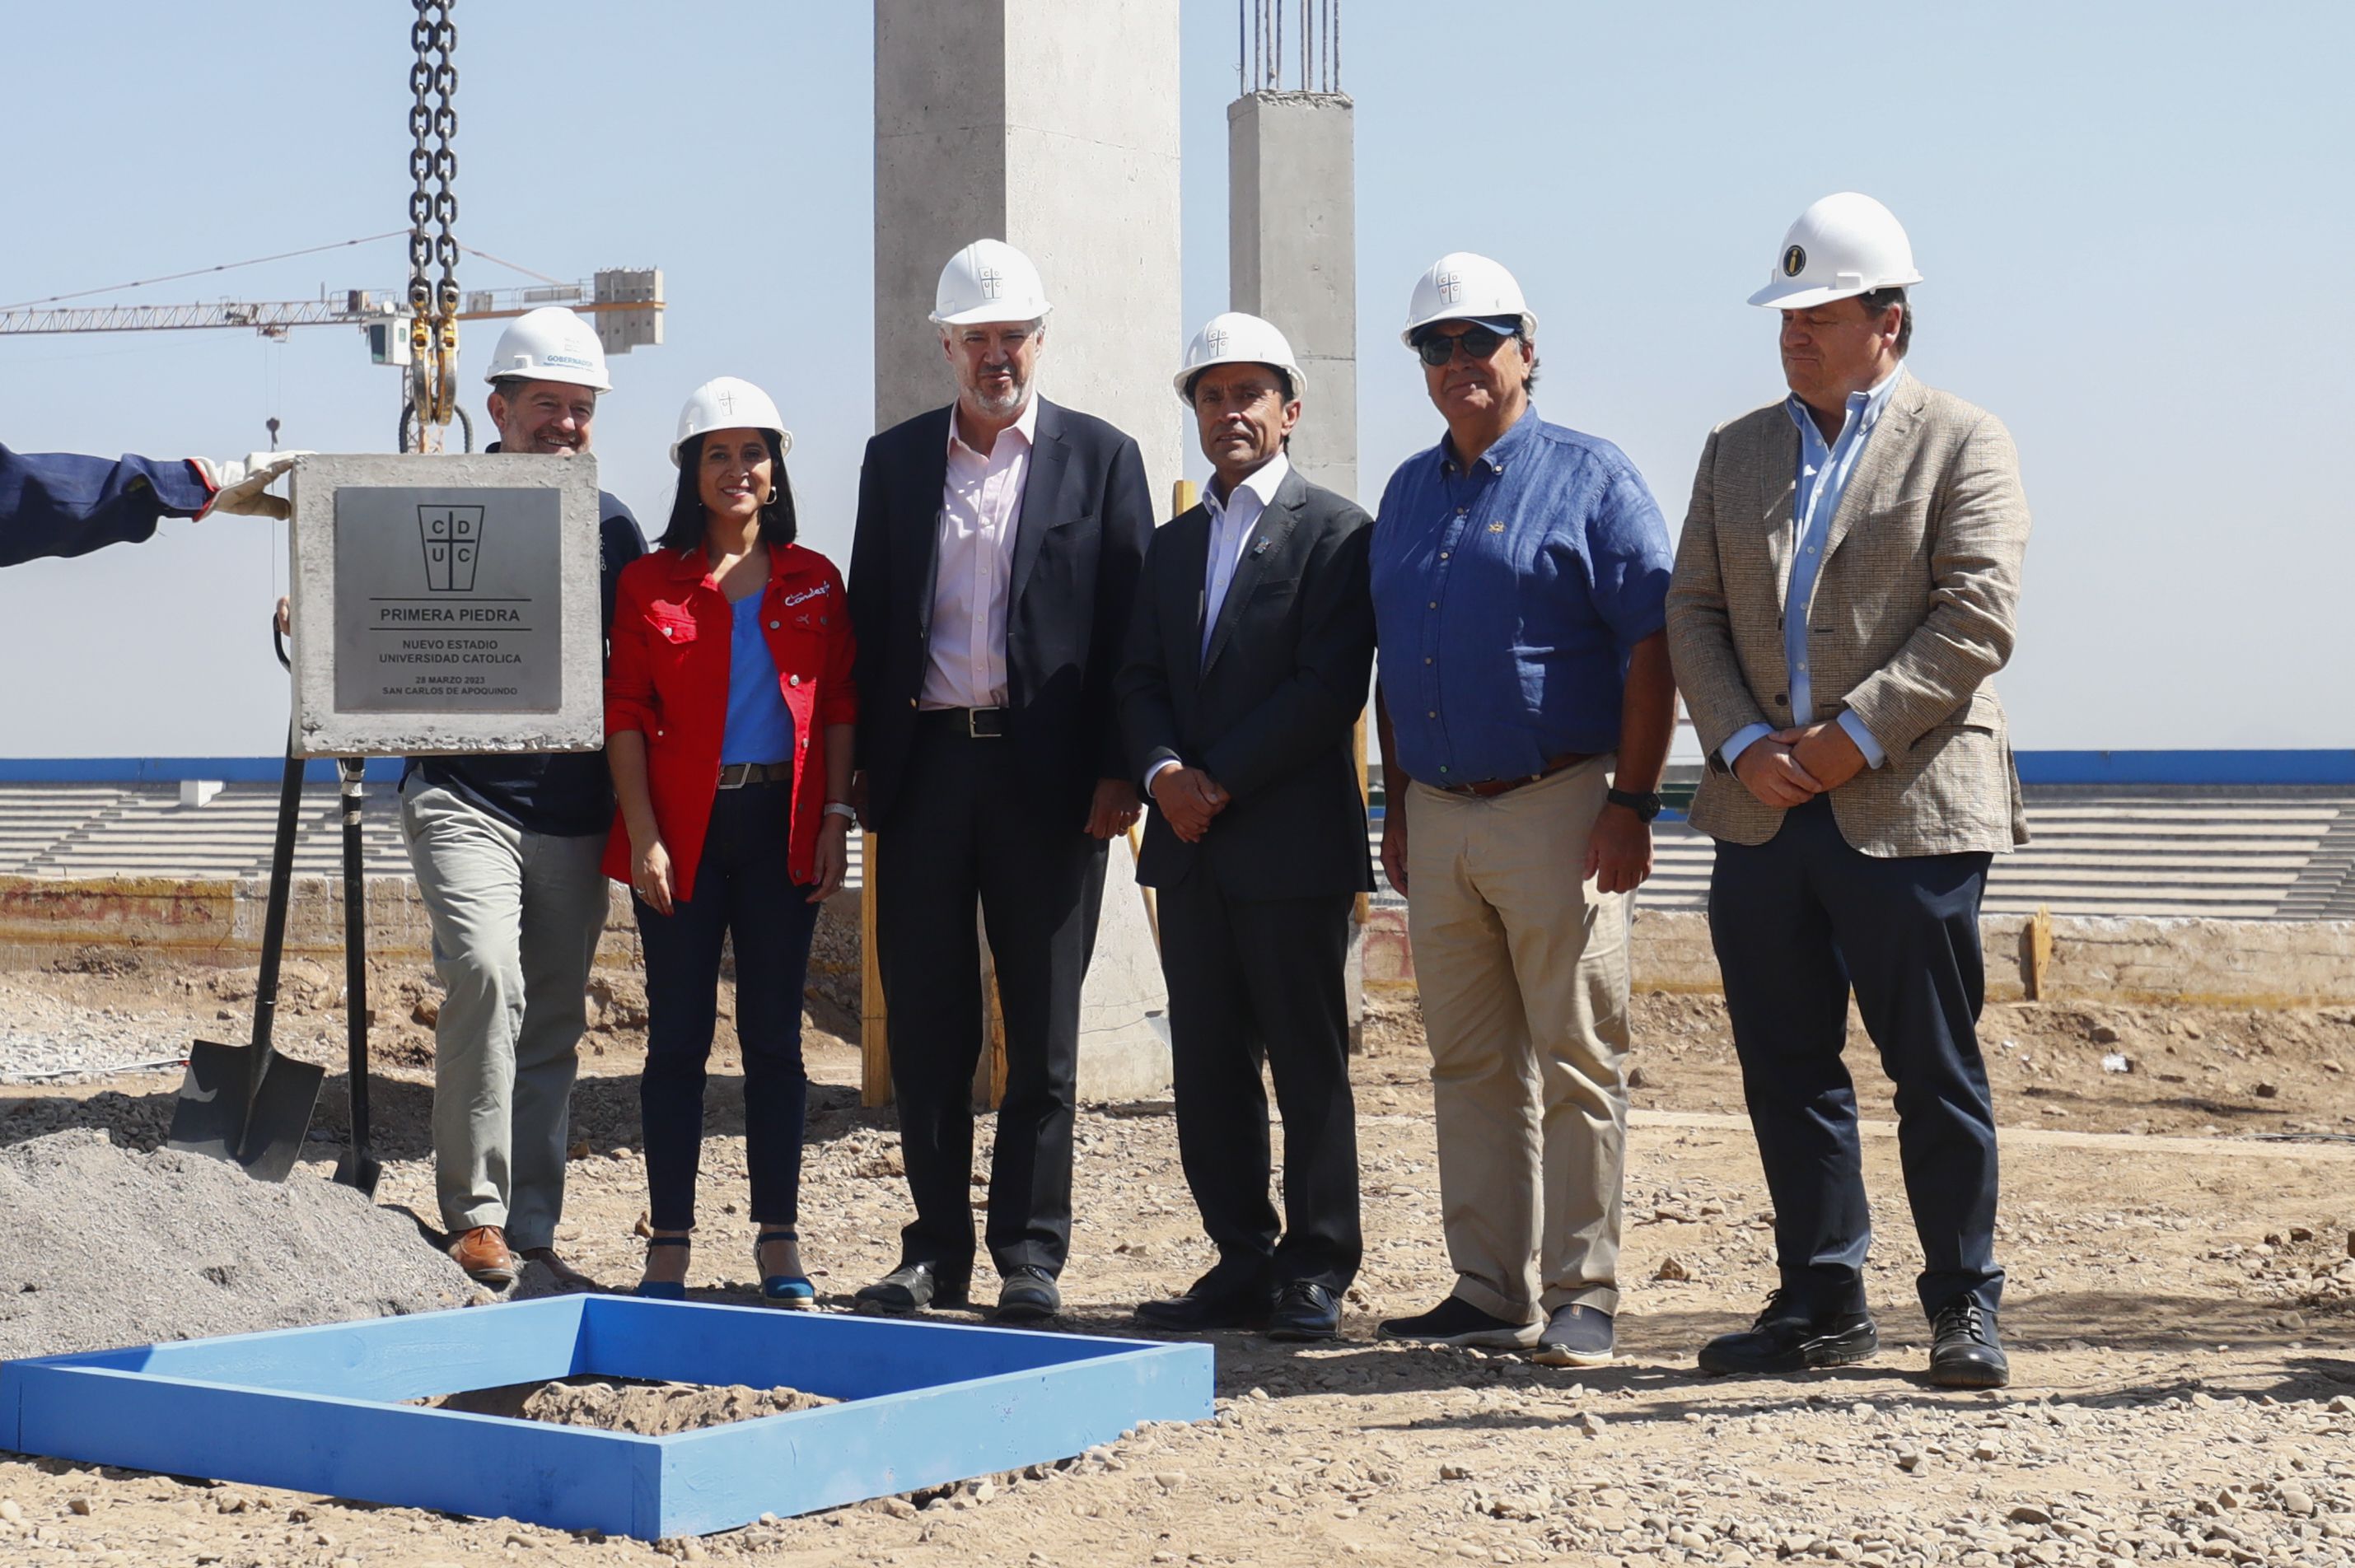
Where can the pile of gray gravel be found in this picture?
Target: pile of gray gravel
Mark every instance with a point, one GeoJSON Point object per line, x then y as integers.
{"type": "Point", "coordinates": [104, 1246]}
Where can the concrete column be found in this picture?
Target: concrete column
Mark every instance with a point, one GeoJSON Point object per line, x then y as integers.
{"type": "Point", "coordinates": [1051, 124]}
{"type": "Point", "coordinates": [1292, 257]}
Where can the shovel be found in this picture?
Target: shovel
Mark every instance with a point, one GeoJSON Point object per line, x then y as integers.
{"type": "Point", "coordinates": [357, 1168]}
{"type": "Point", "coordinates": [247, 1104]}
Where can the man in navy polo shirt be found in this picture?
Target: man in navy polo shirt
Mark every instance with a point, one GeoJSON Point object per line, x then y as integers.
{"type": "Point", "coordinates": [507, 852]}
{"type": "Point", "coordinates": [1520, 575]}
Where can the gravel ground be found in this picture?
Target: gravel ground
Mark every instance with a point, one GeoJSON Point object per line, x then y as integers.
{"type": "Point", "coordinates": [105, 1247]}
{"type": "Point", "coordinates": [2181, 1316]}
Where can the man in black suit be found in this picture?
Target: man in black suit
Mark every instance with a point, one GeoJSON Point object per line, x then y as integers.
{"type": "Point", "coordinates": [1247, 668]}
{"type": "Point", "coordinates": [998, 547]}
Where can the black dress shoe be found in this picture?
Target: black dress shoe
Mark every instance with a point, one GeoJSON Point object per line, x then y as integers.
{"type": "Point", "coordinates": [1965, 1350]}
{"type": "Point", "coordinates": [1205, 1306]}
{"type": "Point", "coordinates": [912, 1286]}
{"type": "Point", "coordinates": [1305, 1310]}
{"type": "Point", "coordinates": [1786, 1340]}
{"type": "Point", "coordinates": [1028, 1296]}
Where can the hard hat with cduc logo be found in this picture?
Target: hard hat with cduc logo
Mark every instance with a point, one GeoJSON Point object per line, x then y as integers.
{"type": "Point", "coordinates": [1461, 286]}
{"type": "Point", "coordinates": [730, 403]}
{"type": "Point", "coordinates": [1234, 338]}
{"type": "Point", "coordinates": [988, 280]}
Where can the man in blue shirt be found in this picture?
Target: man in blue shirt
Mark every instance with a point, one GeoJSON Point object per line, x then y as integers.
{"type": "Point", "coordinates": [1519, 574]}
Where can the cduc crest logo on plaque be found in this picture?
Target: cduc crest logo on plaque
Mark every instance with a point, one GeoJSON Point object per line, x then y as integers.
{"type": "Point", "coordinates": [446, 604]}
{"type": "Point", "coordinates": [452, 535]}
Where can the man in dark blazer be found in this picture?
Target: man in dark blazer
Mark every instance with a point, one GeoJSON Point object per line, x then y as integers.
{"type": "Point", "coordinates": [998, 547]}
{"type": "Point", "coordinates": [1248, 664]}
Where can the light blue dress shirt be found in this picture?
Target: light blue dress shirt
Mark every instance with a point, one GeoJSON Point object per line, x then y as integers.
{"type": "Point", "coordinates": [1824, 473]}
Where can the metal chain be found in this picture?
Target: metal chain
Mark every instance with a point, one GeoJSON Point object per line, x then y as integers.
{"type": "Point", "coordinates": [432, 210]}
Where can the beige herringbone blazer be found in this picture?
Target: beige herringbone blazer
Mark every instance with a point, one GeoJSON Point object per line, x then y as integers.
{"type": "Point", "coordinates": [1913, 610]}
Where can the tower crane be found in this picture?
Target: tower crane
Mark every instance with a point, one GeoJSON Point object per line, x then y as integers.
{"type": "Point", "coordinates": [415, 329]}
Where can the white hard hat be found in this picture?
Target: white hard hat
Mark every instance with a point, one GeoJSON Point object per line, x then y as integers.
{"type": "Point", "coordinates": [1461, 286]}
{"type": "Point", "coordinates": [729, 403]}
{"type": "Point", "coordinates": [1234, 338]}
{"type": "Point", "coordinates": [988, 280]}
{"type": "Point", "coordinates": [550, 344]}
{"type": "Point", "coordinates": [1844, 245]}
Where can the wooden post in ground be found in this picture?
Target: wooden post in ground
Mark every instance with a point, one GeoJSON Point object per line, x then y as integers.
{"type": "Point", "coordinates": [2036, 974]}
{"type": "Point", "coordinates": [874, 1038]}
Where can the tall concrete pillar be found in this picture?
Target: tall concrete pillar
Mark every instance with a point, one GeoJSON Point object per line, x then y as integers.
{"type": "Point", "coordinates": [1292, 257]}
{"type": "Point", "coordinates": [1051, 124]}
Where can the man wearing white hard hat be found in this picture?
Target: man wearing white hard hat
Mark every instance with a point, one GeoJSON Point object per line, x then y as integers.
{"type": "Point", "coordinates": [1519, 572]}
{"type": "Point", "coordinates": [1847, 581]}
{"type": "Point", "coordinates": [996, 558]}
{"type": "Point", "coordinates": [505, 851]}
{"type": "Point", "coordinates": [1247, 669]}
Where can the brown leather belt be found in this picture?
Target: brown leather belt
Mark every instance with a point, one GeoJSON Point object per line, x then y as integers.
{"type": "Point", "coordinates": [736, 775]}
{"type": "Point", "coordinates": [1489, 788]}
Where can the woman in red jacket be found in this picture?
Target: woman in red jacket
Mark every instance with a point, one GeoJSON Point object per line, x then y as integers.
{"type": "Point", "coordinates": [728, 713]}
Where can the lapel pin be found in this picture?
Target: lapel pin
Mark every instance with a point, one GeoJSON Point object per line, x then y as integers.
{"type": "Point", "coordinates": [1261, 548]}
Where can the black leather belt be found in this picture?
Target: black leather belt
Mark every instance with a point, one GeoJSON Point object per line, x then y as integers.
{"type": "Point", "coordinates": [976, 723]}
{"type": "Point", "coordinates": [736, 775]}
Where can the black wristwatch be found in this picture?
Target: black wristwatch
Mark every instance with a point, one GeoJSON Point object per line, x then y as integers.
{"type": "Point", "coordinates": [1645, 806]}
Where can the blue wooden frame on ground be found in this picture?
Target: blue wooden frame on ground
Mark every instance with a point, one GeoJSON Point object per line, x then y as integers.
{"type": "Point", "coordinates": [319, 1410]}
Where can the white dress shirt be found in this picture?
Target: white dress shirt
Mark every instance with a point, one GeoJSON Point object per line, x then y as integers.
{"type": "Point", "coordinates": [1233, 521]}
{"type": "Point", "coordinates": [981, 507]}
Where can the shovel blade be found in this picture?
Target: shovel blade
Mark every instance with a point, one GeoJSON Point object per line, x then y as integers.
{"type": "Point", "coordinates": [359, 1171]}
{"type": "Point", "coordinates": [213, 1118]}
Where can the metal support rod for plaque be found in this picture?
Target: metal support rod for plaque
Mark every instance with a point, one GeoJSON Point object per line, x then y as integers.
{"type": "Point", "coordinates": [358, 1168]}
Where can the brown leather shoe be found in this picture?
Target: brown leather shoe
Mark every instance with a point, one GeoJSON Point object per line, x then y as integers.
{"type": "Point", "coordinates": [483, 1254]}
{"type": "Point", "coordinates": [567, 1278]}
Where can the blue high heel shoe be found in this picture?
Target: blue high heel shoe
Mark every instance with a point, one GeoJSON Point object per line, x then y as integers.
{"type": "Point", "coordinates": [784, 1289]}
{"type": "Point", "coordinates": [664, 1289]}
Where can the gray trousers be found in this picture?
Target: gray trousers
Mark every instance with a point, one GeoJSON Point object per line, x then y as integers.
{"type": "Point", "coordinates": [516, 920]}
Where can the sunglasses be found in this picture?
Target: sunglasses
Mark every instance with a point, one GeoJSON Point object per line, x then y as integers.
{"type": "Point", "coordinates": [1479, 342]}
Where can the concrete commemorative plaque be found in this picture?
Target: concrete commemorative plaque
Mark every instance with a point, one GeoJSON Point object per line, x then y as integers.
{"type": "Point", "coordinates": [446, 604]}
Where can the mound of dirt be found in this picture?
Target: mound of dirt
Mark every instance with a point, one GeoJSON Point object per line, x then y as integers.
{"type": "Point", "coordinates": [625, 1405]}
{"type": "Point", "coordinates": [106, 1247]}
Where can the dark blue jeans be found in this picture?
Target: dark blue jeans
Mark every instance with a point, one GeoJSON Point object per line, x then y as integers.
{"type": "Point", "coordinates": [744, 888]}
{"type": "Point", "coordinates": [1797, 921]}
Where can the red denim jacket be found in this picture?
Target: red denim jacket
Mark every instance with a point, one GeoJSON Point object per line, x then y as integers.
{"type": "Point", "coordinates": [667, 679]}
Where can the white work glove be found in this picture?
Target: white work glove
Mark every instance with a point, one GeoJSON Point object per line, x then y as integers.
{"type": "Point", "coordinates": [241, 486]}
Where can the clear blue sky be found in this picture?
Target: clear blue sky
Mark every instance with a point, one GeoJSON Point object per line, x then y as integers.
{"type": "Point", "coordinates": [2134, 222]}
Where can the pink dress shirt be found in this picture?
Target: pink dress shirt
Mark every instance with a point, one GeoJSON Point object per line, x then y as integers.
{"type": "Point", "coordinates": [981, 507]}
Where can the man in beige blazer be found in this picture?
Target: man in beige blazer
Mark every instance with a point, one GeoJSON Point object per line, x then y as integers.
{"type": "Point", "coordinates": [1846, 585]}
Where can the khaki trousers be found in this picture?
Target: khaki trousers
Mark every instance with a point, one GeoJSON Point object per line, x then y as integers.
{"type": "Point", "coordinates": [515, 919]}
{"type": "Point", "coordinates": [1523, 971]}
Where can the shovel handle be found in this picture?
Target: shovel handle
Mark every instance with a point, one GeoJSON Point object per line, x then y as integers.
{"type": "Point", "coordinates": [353, 773]}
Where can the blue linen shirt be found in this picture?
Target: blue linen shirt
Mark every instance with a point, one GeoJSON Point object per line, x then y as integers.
{"type": "Point", "coordinates": [1508, 595]}
{"type": "Point", "coordinates": [1824, 472]}
{"type": "Point", "coordinates": [760, 726]}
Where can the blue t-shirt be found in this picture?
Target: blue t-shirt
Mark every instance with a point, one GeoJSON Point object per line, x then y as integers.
{"type": "Point", "coordinates": [1507, 596]}
{"type": "Point", "coordinates": [759, 725]}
